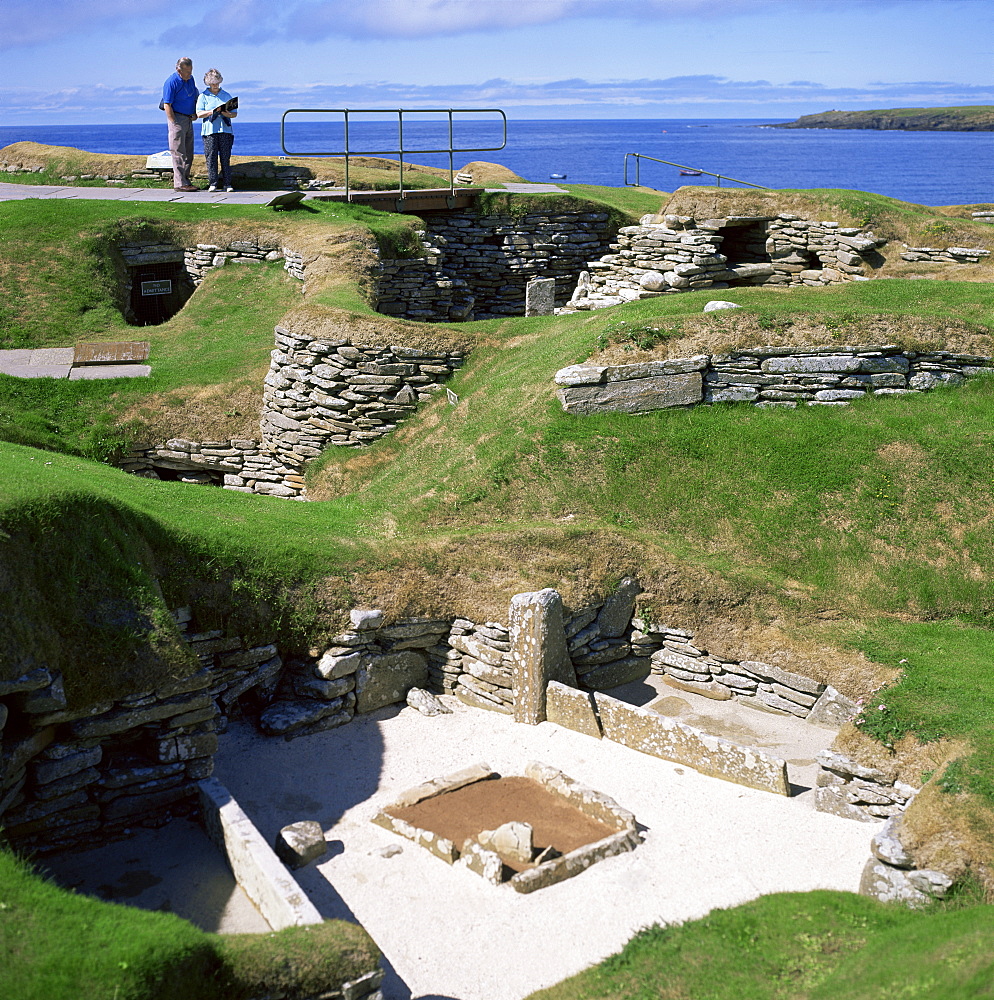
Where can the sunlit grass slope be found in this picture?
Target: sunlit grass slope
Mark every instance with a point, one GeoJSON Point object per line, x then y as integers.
{"type": "Point", "coordinates": [805, 946]}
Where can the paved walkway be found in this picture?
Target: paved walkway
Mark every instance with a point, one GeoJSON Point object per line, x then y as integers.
{"type": "Point", "coordinates": [20, 192]}
{"type": "Point", "coordinates": [59, 362]}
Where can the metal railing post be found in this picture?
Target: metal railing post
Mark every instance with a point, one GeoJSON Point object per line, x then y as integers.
{"type": "Point", "coordinates": [346, 154]}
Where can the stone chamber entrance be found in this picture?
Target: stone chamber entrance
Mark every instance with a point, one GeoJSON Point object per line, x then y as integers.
{"type": "Point", "coordinates": [156, 285]}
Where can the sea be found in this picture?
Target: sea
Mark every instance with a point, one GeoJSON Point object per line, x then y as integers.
{"type": "Point", "coordinates": [929, 168]}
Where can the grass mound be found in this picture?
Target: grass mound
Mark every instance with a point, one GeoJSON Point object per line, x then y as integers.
{"type": "Point", "coordinates": [64, 165]}
{"type": "Point", "coordinates": [57, 945]}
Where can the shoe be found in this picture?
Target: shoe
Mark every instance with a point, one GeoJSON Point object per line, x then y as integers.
{"type": "Point", "coordinates": [229, 189]}
{"type": "Point", "coordinates": [187, 187]}
{"type": "Point", "coordinates": [213, 187]}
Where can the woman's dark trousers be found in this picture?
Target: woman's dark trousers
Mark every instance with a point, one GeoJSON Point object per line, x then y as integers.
{"type": "Point", "coordinates": [217, 146]}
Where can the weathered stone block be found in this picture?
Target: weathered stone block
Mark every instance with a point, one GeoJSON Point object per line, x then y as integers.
{"type": "Point", "coordinates": [636, 396]}
{"type": "Point", "coordinates": [540, 297]}
{"type": "Point", "coordinates": [616, 614]}
{"type": "Point", "coordinates": [538, 652]}
{"type": "Point", "coordinates": [832, 710]}
{"type": "Point", "coordinates": [823, 363]}
{"type": "Point", "coordinates": [300, 843]}
{"type": "Point", "coordinates": [572, 709]}
{"type": "Point", "coordinates": [648, 732]}
{"type": "Point", "coordinates": [612, 675]}
{"type": "Point", "coordinates": [386, 679]}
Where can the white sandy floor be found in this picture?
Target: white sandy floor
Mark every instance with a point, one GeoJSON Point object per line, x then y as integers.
{"type": "Point", "coordinates": [448, 934]}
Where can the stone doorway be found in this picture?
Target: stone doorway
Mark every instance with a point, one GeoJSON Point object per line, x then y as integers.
{"type": "Point", "coordinates": [157, 284]}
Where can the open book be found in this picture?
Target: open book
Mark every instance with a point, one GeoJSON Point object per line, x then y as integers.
{"type": "Point", "coordinates": [231, 105]}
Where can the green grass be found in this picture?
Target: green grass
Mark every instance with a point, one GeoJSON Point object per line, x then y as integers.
{"type": "Point", "coordinates": [201, 346]}
{"type": "Point", "coordinates": [57, 945]}
{"type": "Point", "coordinates": [812, 946]}
{"type": "Point", "coordinates": [57, 299]}
{"type": "Point", "coordinates": [931, 701]}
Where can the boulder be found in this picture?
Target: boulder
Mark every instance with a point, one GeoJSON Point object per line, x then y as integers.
{"type": "Point", "coordinates": [887, 847]}
{"type": "Point", "coordinates": [426, 703]}
{"type": "Point", "coordinates": [892, 885]}
{"type": "Point", "coordinates": [832, 710]}
{"type": "Point", "coordinates": [718, 304]}
{"type": "Point", "coordinates": [301, 843]}
{"type": "Point", "coordinates": [513, 842]}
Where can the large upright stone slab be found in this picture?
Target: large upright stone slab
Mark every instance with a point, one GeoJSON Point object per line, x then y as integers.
{"type": "Point", "coordinates": [634, 396]}
{"type": "Point", "coordinates": [538, 652]}
{"type": "Point", "coordinates": [616, 614]}
{"type": "Point", "coordinates": [540, 297]}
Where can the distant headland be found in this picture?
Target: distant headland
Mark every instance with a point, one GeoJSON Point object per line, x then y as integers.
{"type": "Point", "coordinates": [978, 118]}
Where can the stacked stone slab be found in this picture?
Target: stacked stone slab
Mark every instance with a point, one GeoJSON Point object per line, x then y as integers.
{"type": "Point", "coordinates": [855, 791]}
{"type": "Point", "coordinates": [763, 685]}
{"type": "Point", "coordinates": [323, 392]}
{"type": "Point", "coordinates": [679, 254]}
{"type": "Point", "coordinates": [484, 662]}
{"type": "Point", "coordinates": [945, 255]}
{"type": "Point", "coordinates": [477, 267]}
{"type": "Point", "coordinates": [235, 464]}
{"type": "Point", "coordinates": [764, 376]}
{"type": "Point", "coordinates": [891, 875]}
{"type": "Point", "coordinates": [200, 259]}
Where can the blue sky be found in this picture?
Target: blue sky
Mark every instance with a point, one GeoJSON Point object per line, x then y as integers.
{"type": "Point", "coordinates": [91, 61]}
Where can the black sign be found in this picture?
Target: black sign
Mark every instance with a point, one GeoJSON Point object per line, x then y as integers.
{"type": "Point", "coordinates": [163, 287]}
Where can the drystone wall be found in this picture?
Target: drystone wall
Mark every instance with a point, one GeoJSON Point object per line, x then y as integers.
{"type": "Point", "coordinates": [477, 267]}
{"type": "Point", "coordinates": [891, 875]}
{"type": "Point", "coordinates": [198, 260]}
{"type": "Point", "coordinates": [945, 255]}
{"type": "Point", "coordinates": [764, 376]}
{"type": "Point", "coordinates": [235, 464]}
{"type": "Point", "coordinates": [71, 777]}
{"type": "Point", "coordinates": [680, 254]}
{"type": "Point", "coordinates": [854, 791]}
{"type": "Point", "coordinates": [330, 392]}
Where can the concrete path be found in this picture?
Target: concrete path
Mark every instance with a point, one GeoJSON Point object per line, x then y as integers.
{"type": "Point", "coordinates": [57, 362]}
{"type": "Point", "coordinates": [448, 934]}
{"type": "Point", "coordinates": [19, 192]}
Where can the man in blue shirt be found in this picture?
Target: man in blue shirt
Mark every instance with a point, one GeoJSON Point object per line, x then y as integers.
{"type": "Point", "coordinates": [179, 101]}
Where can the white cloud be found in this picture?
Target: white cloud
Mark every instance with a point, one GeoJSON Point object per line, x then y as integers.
{"type": "Point", "coordinates": [26, 23]}
{"type": "Point", "coordinates": [703, 95]}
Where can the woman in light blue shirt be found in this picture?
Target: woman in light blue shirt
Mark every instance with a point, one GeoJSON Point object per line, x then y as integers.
{"type": "Point", "coordinates": [216, 130]}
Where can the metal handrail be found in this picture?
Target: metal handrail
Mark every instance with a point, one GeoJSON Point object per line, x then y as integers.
{"type": "Point", "coordinates": [642, 156]}
{"type": "Point", "coordinates": [401, 151]}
